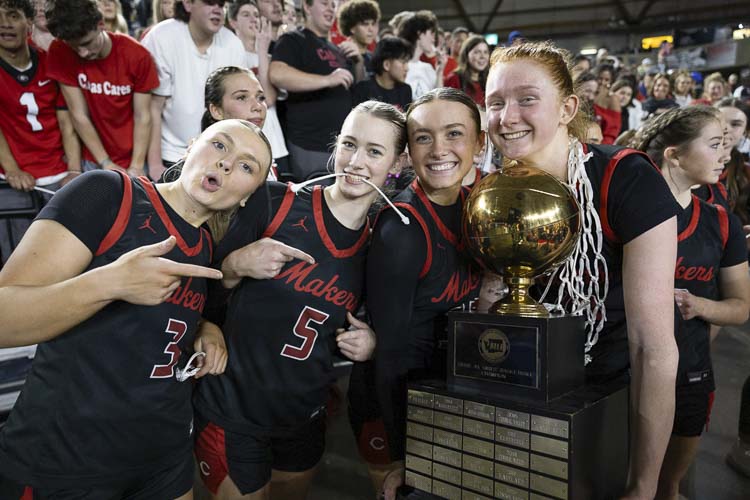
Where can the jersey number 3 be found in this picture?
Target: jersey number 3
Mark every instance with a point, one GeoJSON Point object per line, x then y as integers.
{"type": "Point", "coordinates": [177, 329]}
{"type": "Point", "coordinates": [308, 334]}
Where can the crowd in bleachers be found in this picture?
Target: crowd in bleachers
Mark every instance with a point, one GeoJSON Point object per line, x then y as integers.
{"type": "Point", "coordinates": [89, 85]}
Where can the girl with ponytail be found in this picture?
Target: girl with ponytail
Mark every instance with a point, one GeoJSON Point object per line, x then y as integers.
{"type": "Point", "coordinates": [711, 276]}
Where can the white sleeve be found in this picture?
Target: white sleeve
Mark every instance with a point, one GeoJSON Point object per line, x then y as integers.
{"type": "Point", "coordinates": [159, 47]}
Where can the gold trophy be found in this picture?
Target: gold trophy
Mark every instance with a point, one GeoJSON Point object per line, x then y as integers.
{"type": "Point", "coordinates": [514, 419]}
{"type": "Point", "coordinates": [520, 224]}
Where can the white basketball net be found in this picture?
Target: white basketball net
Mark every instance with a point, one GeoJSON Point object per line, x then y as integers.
{"type": "Point", "coordinates": [579, 276]}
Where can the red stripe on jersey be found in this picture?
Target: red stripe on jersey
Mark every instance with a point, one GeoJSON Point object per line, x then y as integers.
{"type": "Point", "coordinates": [28, 494]}
{"type": "Point", "coordinates": [447, 233]}
{"type": "Point", "coordinates": [609, 233]}
{"type": "Point", "coordinates": [211, 455]}
{"type": "Point", "coordinates": [694, 218]}
{"type": "Point", "coordinates": [207, 234]}
{"type": "Point", "coordinates": [428, 258]}
{"type": "Point", "coordinates": [162, 212]}
{"type": "Point", "coordinates": [122, 219]}
{"type": "Point", "coordinates": [327, 241]}
{"type": "Point", "coordinates": [723, 225]}
{"type": "Point", "coordinates": [286, 204]}
{"type": "Point", "coordinates": [722, 189]}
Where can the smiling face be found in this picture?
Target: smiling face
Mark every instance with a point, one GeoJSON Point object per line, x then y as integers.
{"type": "Point", "coordinates": [108, 8]}
{"type": "Point", "coordinates": [204, 17]}
{"type": "Point", "coordinates": [320, 16]}
{"type": "Point", "coordinates": [14, 28]}
{"type": "Point", "coordinates": [682, 85]}
{"type": "Point", "coordinates": [624, 94]}
{"type": "Point", "coordinates": [365, 149]}
{"type": "Point", "coordinates": [443, 140]}
{"type": "Point", "coordinates": [225, 165]}
{"type": "Point", "coordinates": [700, 161]}
{"type": "Point", "coordinates": [243, 98]}
{"type": "Point", "coordinates": [715, 91]}
{"type": "Point", "coordinates": [735, 123]}
{"type": "Point", "coordinates": [479, 57]}
{"type": "Point", "coordinates": [526, 115]}
{"type": "Point", "coordinates": [661, 88]}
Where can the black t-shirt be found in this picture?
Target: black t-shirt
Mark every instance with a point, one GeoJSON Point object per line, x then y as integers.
{"type": "Point", "coordinates": [709, 239]}
{"type": "Point", "coordinates": [313, 118]}
{"type": "Point", "coordinates": [399, 95]}
{"type": "Point", "coordinates": [631, 197]}
{"type": "Point", "coordinates": [280, 332]}
{"type": "Point", "coordinates": [416, 273]}
{"type": "Point", "coordinates": [101, 405]}
{"type": "Point", "coordinates": [650, 105]}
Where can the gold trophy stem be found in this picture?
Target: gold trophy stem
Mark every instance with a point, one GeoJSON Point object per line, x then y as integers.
{"type": "Point", "coordinates": [518, 302]}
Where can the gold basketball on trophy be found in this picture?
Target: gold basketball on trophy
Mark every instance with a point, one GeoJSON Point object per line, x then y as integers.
{"type": "Point", "coordinates": [521, 223]}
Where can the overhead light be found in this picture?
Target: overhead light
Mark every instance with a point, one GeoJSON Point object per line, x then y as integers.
{"type": "Point", "coordinates": [589, 52]}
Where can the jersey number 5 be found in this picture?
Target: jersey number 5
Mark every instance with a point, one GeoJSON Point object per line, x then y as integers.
{"type": "Point", "coordinates": [177, 329]}
{"type": "Point", "coordinates": [308, 334]}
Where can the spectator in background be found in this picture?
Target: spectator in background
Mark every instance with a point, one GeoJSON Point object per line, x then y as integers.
{"type": "Point", "coordinates": [593, 132]}
{"type": "Point", "coordinates": [644, 88]}
{"type": "Point", "coordinates": [113, 19]}
{"type": "Point", "coordinates": [419, 30]}
{"type": "Point", "coordinates": [358, 20]}
{"type": "Point", "coordinates": [256, 34]}
{"type": "Point", "coordinates": [515, 37]}
{"type": "Point", "coordinates": [743, 91]}
{"type": "Point", "coordinates": [602, 104]}
{"type": "Point", "coordinates": [289, 20]}
{"type": "Point", "coordinates": [318, 76]}
{"type": "Point", "coordinates": [581, 64]}
{"type": "Point", "coordinates": [274, 12]}
{"type": "Point", "coordinates": [38, 145]}
{"type": "Point", "coordinates": [714, 89]}
{"type": "Point", "coordinates": [458, 37]}
{"type": "Point", "coordinates": [473, 66]}
{"type": "Point", "coordinates": [106, 79]}
{"type": "Point", "coordinates": [682, 87]}
{"type": "Point", "coordinates": [186, 49]}
{"type": "Point", "coordinates": [660, 99]}
{"type": "Point", "coordinates": [162, 10]}
{"type": "Point", "coordinates": [390, 63]}
{"type": "Point", "coordinates": [40, 35]}
{"type": "Point", "coordinates": [630, 109]}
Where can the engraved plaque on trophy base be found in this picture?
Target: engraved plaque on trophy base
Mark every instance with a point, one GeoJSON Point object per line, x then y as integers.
{"type": "Point", "coordinates": [464, 445]}
{"type": "Point", "coordinates": [516, 356]}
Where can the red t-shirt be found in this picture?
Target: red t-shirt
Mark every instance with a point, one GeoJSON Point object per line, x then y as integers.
{"type": "Point", "coordinates": [28, 105]}
{"type": "Point", "coordinates": [475, 90]}
{"type": "Point", "coordinates": [610, 123]}
{"type": "Point", "coordinates": [108, 85]}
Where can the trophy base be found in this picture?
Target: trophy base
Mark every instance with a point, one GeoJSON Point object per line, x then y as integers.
{"type": "Point", "coordinates": [461, 446]}
{"type": "Point", "coordinates": [538, 358]}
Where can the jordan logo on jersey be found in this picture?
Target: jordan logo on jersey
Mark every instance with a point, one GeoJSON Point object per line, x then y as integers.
{"type": "Point", "coordinates": [301, 223]}
{"type": "Point", "coordinates": [299, 274]}
{"type": "Point", "coordinates": [692, 273]}
{"type": "Point", "coordinates": [457, 289]}
{"type": "Point", "coordinates": [147, 224]}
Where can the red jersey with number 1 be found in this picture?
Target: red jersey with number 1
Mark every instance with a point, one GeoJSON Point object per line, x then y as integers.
{"type": "Point", "coordinates": [108, 85]}
{"type": "Point", "coordinates": [28, 105]}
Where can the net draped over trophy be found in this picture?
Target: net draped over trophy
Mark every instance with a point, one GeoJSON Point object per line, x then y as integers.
{"type": "Point", "coordinates": [521, 223]}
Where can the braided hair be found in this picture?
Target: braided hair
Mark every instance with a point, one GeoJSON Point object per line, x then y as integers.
{"type": "Point", "coordinates": [677, 127]}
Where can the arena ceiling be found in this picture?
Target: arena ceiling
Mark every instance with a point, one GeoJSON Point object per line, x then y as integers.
{"type": "Point", "coordinates": [572, 18]}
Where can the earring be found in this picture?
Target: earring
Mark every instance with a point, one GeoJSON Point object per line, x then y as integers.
{"type": "Point", "coordinates": [242, 203]}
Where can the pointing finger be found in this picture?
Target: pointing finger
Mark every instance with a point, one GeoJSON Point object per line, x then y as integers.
{"type": "Point", "coordinates": [190, 270]}
{"type": "Point", "coordinates": [294, 253]}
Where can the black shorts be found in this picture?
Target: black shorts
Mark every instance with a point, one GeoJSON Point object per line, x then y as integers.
{"type": "Point", "coordinates": [169, 483]}
{"type": "Point", "coordinates": [249, 458]}
{"type": "Point", "coordinates": [693, 404]}
{"type": "Point", "coordinates": [365, 415]}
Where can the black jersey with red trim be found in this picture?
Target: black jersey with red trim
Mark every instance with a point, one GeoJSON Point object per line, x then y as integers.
{"type": "Point", "coordinates": [416, 273]}
{"type": "Point", "coordinates": [280, 332]}
{"type": "Point", "coordinates": [101, 404]}
{"type": "Point", "coordinates": [715, 194]}
{"type": "Point", "coordinates": [708, 240]}
{"type": "Point", "coordinates": [631, 197]}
